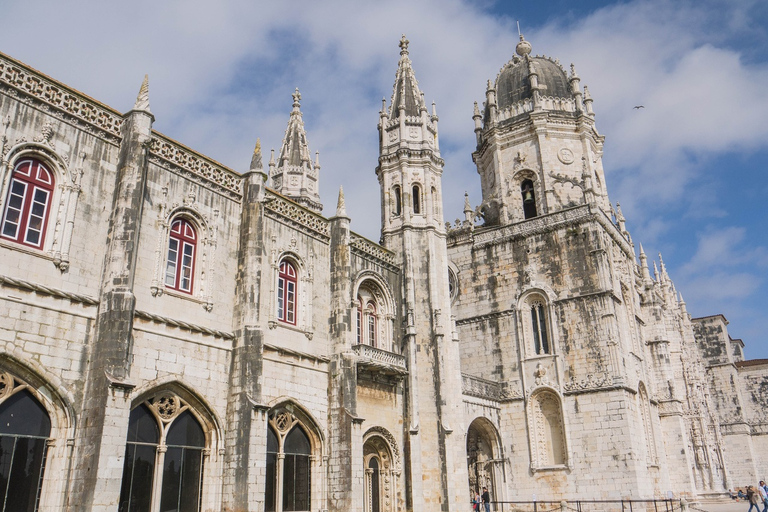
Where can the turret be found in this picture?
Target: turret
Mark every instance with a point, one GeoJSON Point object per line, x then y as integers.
{"type": "Point", "coordinates": [295, 176]}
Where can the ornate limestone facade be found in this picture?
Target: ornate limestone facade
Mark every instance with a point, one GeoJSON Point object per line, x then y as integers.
{"type": "Point", "coordinates": [178, 335]}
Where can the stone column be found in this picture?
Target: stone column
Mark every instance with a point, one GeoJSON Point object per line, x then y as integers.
{"type": "Point", "coordinates": [100, 442]}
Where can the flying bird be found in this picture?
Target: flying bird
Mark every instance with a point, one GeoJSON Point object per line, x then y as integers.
{"type": "Point", "coordinates": [638, 107]}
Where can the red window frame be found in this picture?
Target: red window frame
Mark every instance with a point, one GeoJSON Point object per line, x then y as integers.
{"type": "Point", "coordinates": [181, 255]}
{"type": "Point", "coordinates": [370, 323]}
{"type": "Point", "coordinates": [287, 292]}
{"type": "Point", "coordinates": [28, 203]}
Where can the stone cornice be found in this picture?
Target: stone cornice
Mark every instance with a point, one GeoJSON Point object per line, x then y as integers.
{"type": "Point", "coordinates": [373, 252]}
{"type": "Point", "coordinates": [44, 93]}
{"type": "Point", "coordinates": [175, 157]}
{"type": "Point", "coordinates": [484, 318]}
{"type": "Point", "coordinates": [288, 212]}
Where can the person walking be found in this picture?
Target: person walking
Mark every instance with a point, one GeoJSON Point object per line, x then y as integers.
{"type": "Point", "coordinates": [754, 498]}
{"type": "Point", "coordinates": [763, 495]}
{"type": "Point", "coordinates": [486, 500]}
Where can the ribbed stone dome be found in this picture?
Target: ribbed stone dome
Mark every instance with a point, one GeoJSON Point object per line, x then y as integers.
{"type": "Point", "coordinates": [512, 84]}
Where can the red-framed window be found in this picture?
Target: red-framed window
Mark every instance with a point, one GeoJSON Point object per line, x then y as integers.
{"type": "Point", "coordinates": [180, 263]}
{"type": "Point", "coordinates": [359, 320]}
{"type": "Point", "coordinates": [286, 293]}
{"type": "Point", "coordinates": [370, 323]}
{"type": "Point", "coordinates": [28, 204]}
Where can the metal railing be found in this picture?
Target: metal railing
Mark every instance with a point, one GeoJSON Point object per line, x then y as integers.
{"type": "Point", "coordinates": [660, 505]}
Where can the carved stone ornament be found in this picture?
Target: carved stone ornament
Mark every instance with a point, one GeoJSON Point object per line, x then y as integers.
{"type": "Point", "coordinates": [167, 405]}
{"type": "Point", "coordinates": [6, 385]}
{"type": "Point", "coordinates": [565, 155]}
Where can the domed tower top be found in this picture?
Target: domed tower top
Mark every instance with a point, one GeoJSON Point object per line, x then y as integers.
{"type": "Point", "coordinates": [528, 83]}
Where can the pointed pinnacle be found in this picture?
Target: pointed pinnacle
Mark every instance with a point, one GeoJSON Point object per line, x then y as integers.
{"type": "Point", "coordinates": [467, 206]}
{"type": "Point", "coordinates": [341, 208]}
{"type": "Point", "coordinates": [317, 160]}
{"type": "Point", "coordinates": [296, 99]}
{"type": "Point", "coordinates": [142, 100]}
{"type": "Point", "coordinates": [256, 158]}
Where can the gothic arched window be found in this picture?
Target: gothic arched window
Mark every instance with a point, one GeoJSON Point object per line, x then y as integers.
{"type": "Point", "coordinates": [180, 263]}
{"type": "Point", "coordinates": [164, 436]}
{"type": "Point", "coordinates": [24, 430]}
{"type": "Point", "coordinates": [28, 203]}
{"type": "Point", "coordinates": [529, 199]}
{"type": "Point", "coordinates": [286, 292]}
{"type": "Point", "coordinates": [398, 200]}
{"type": "Point", "coordinates": [289, 466]}
{"type": "Point", "coordinates": [416, 199]}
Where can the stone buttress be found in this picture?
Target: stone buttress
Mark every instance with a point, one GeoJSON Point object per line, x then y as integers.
{"type": "Point", "coordinates": [245, 456]}
{"type": "Point", "coordinates": [100, 444]}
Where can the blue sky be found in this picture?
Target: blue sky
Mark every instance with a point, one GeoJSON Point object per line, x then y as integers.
{"type": "Point", "coordinates": [689, 169]}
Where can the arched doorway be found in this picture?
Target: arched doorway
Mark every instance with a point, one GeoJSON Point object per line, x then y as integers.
{"type": "Point", "coordinates": [483, 458]}
{"type": "Point", "coordinates": [381, 471]}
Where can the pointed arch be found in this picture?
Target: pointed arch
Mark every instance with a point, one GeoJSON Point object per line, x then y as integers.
{"type": "Point", "coordinates": [484, 457]}
{"type": "Point", "coordinates": [294, 455]}
{"type": "Point", "coordinates": [171, 433]}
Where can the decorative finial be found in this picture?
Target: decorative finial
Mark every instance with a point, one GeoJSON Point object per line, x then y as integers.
{"type": "Point", "coordinates": [256, 158]}
{"type": "Point", "coordinates": [404, 45]}
{"type": "Point", "coordinates": [573, 71]}
{"type": "Point", "coordinates": [341, 208]}
{"type": "Point", "coordinates": [467, 206]}
{"type": "Point", "coordinates": [523, 48]}
{"type": "Point", "coordinates": [142, 100]}
{"type": "Point", "coordinates": [317, 160]}
{"type": "Point", "coordinates": [296, 98]}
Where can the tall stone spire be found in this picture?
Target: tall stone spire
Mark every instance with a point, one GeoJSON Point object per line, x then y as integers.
{"type": "Point", "coordinates": [295, 176]}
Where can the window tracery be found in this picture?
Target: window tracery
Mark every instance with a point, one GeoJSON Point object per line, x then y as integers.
{"type": "Point", "coordinates": [289, 464]}
{"type": "Point", "coordinates": [536, 323]}
{"type": "Point", "coordinates": [164, 456]}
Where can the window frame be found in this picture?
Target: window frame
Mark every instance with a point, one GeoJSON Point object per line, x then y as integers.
{"type": "Point", "coordinates": [287, 292]}
{"type": "Point", "coordinates": [32, 184]}
{"type": "Point", "coordinates": [183, 241]}
{"type": "Point", "coordinates": [165, 409]}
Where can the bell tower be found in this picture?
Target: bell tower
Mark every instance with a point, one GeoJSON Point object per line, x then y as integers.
{"type": "Point", "coordinates": [538, 150]}
{"type": "Point", "coordinates": [410, 176]}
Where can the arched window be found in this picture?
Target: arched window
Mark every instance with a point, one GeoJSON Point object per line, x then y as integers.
{"type": "Point", "coordinates": [28, 203]}
{"type": "Point", "coordinates": [180, 263]}
{"type": "Point", "coordinates": [164, 436]}
{"type": "Point", "coordinates": [366, 319]}
{"type": "Point", "coordinates": [381, 465]}
{"type": "Point", "coordinates": [416, 200]}
{"type": "Point", "coordinates": [286, 293]}
{"type": "Point", "coordinates": [549, 433]}
{"type": "Point", "coordinates": [529, 199]}
{"type": "Point", "coordinates": [539, 322]}
{"type": "Point", "coordinates": [370, 322]}
{"type": "Point", "coordinates": [289, 468]}
{"type": "Point", "coordinates": [398, 200]}
{"type": "Point", "coordinates": [24, 430]}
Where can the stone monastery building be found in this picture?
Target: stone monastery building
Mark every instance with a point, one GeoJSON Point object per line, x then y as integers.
{"type": "Point", "coordinates": [176, 335]}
